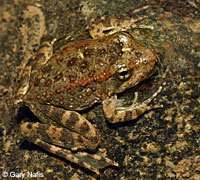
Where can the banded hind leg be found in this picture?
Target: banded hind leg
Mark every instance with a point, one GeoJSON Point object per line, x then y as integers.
{"type": "Point", "coordinates": [65, 133]}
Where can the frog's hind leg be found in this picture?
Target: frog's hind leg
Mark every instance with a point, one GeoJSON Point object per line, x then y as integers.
{"type": "Point", "coordinates": [93, 162]}
{"type": "Point", "coordinates": [75, 127]}
{"type": "Point", "coordinates": [72, 133]}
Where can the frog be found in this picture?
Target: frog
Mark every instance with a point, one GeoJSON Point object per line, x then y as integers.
{"type": "Point", "coordinates": [56, 84]}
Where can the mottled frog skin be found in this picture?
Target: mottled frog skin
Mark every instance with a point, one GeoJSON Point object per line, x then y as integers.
{"type": "Point", "coordinates": [56, 85]}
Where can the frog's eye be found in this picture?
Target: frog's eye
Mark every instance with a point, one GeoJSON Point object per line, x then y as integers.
{"type": "Point", "coordinates": [124, 73]}
{"type": "Point", "coordinates": [145, 61]}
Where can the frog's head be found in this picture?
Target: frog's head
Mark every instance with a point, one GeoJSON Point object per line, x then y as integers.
{"type": "Point", "coordinates": [135, 64]}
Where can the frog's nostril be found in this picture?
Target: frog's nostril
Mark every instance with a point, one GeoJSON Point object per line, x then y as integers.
{"type": "Point", "coordinates": [138, 54]}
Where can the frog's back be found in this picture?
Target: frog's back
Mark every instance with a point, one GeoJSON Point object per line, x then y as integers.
{"type": "Point", "coordinates": [82, 73]}
{"type": "Point", "coordinates": [72, 77]}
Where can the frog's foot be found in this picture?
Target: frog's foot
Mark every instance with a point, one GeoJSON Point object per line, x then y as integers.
{"type": "Point", "coordinates": [115, 25]}
{"type": "Point", "coordinates": [115, 113]}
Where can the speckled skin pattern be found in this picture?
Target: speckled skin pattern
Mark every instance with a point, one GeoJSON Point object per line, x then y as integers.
{"type": "Point", "coordinates": [76, 76]}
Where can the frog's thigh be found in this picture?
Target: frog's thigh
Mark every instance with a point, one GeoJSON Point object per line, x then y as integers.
{"type": "Point", "coordinates": [114, 113]}
{"type": "Point", "coordinates": [75, 132]}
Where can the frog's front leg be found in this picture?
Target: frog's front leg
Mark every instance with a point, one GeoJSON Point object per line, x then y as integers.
{"type": "Point", "coordinates": [115, 113]}
{"type": "Point", "coordinates": [73, 133]}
